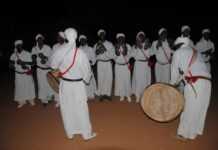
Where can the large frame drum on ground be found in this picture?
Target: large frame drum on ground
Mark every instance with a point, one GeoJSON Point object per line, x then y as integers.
{"type": "Point", "coordinates": [162, 102]}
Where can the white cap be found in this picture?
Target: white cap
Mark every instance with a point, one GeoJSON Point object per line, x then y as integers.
{"type": "Point", "coordinates": [82, 37]}
{"type": "Point", "coordinates": [71, 35]}
{"type": "Point", "coordinates": [18, 42]}
{"type": "Point", "coordinates": [101, 31]}
{"type": "Point", "coordinates": [161, 30]}
{"type": "Point", "coordinates": [185, 27]}
{"type": "Point", "coordinates": [140, 33]}
{"type": "Point", "coordinates": [205, 31]}
{"type": "Point", "coordinates": [39, 36]}
{"type": "Point", "coordinates": [120, 35]}
{"type": "Point", "coordinates": [184, 40]}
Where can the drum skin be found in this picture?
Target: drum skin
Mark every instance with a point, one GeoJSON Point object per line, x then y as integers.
{"type": "Point", "coordinates": [162, 102]}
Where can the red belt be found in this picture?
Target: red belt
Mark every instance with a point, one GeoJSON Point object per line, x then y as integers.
{"type": "Point", "coordinates": [193, 79]}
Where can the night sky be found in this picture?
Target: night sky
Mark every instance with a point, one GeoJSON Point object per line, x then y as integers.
{"type": "Point", "coordinates": [25, 21]}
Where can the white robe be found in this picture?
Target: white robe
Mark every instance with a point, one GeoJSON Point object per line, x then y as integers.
{"type": "Point", "coordinates": [54, 49]}
{"type": "Point", "coordinates": [122, 75]}
{"type": "Point", "coordinates": [73, 97]}
{"type": "Point", "coordinates": [204, 45]}
{"type": "Point", "coordinates": [24, 85]}
{"type": "Point", "coordinates": [44, 90]}
{"type": "Point", "coordinates": [104, 69]}
{"type": "Point", "coordinates": [191, 43]}
{"type": "Point", "coordinates": [91, 87]}
{"type": "Point", "coordinates": [193, 116]}
{"type": "Point", "coordinates": [142, 72]}
{"type": "Point", "coordinates": [162, 67]}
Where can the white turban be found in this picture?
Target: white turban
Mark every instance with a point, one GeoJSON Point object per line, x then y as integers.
{"type": "Point", "coordinates": [17, 42]}
{"type": "Point", "coordinates": [184, 40]}
{"type": "Point", "coordinates": [101, 31]}
{"type": "Point", "coordinates": [120, 35]}
{"type": "Point", "coordinates": [82, 37]}
{"type": "Point", "coordinates": [71, 35]}
{"type": "Point", "coordinates": [161, 30]}
{"type": "Point", "coordinates": [61, 34]}
{"type": "Point", "coordinates": [39, 36]}
{"type": "Point", "coordinates": [205, 31]}
{"type": "Point", "coordinates": [140, 33]}
{"type": "Point", "coordinates": [185, 27]}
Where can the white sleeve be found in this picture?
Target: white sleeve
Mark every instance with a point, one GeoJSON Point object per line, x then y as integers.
{"type": "Point", "coordinates": [48, 51]}
{"type": "Point", "coordinates": [111, 51]}
{"type": "Point", "coordinates": [28, 58]}
{"type": "Point", "coordinates": [84, 66]}
{"type": "Point", "coordinates": [92, 56]}
{"type": "Point", "coordinates": [153, 47]}
{"type": "Point", "coordinates": [175, 69]}
{"type": "Point", "coordinates": [198, 47]}
{"type": "Point", "coordinates": [55, 59]}
{"type": "Point", "coordinates": [12, 57]}
{"type": "Point", "coordinates": [34, 52]}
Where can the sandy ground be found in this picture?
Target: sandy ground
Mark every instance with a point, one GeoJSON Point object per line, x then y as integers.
{"type": "Point", "coordinates": [119, 125]}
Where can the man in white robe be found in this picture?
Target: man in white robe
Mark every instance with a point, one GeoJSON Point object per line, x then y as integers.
{"type": "Point", "coordinates": [91, 87]}
{"type": "Point", "coordinates": [206, 47]}
{"type": "Point", "coordinates": [41, 53]}
{"type": "Point", "coordinates": [21, 62]}
{"type": "Point", "coordinates": [197, 90]}
{"type": "Point", "coordinates": [60, 42]}
{"type": "Point", "coordinates": [141, 52]}
{"type": "Point", "coordinates": [163, 55]}
{"type": "Point", "coordinates": [105, 52]}
{"type": "Point", "coordinates": [122, 68]}
{"type": "Point", "coordinates": [186, 32]}
{"type": "Point", "coordinates": [74, 71]}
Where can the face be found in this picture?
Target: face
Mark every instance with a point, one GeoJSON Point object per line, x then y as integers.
{"type": "Point", "coordinates": [19, 47]}
{"type": "Point", "coordinates": [186, 33]}
{"type": "Point", "coordinates": [163, 35]}
{"type": "Point", "coordinates": [121, 40]}
{"type": "Point", "coordinates": [206, 35]}
{"type": "Point", "coordinates": [40, 41]}
{"type": "Point", "coordinates": [60, 39]}
{"type": "Point", "coordinates": [83, 41]}
{"type": "Point", "coordinates": [102, 36]}
{"type": "Point", "coordinates": [141, 38]}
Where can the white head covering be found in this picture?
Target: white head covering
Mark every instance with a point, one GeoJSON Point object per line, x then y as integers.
{"type": "Point", "coordinates": [17, 42]}
{"type": "Point", "coordinates": [185, 27]}
{"type": "Point", "coordinates": [184, 40]}
{"type": "Point", "coordinates": [140, 33]}
{"type": "Point", "coordinates": [82, 37]}
{"type": "Point", "coordinates": [101, 31]}
{"type": "Point", "coordinates": [205, 31]}
{"type": "Point", "coordinates": [161, 30]}
{"type": "Point", "coordinates": [38, 36]}
{"type": "Point", "coordinates": [71, 35]}
{"type": "Point", "coordinates": [61, 34]}
{"type": "Point", "coordinates": [120, 35]}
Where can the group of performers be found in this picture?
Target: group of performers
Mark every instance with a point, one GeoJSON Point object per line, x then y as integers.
{"type": "Point", "coordinates": [134, 67]}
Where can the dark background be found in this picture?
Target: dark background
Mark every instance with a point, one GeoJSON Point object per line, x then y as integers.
{"type": "Point", "coordinates": [25, 21]}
